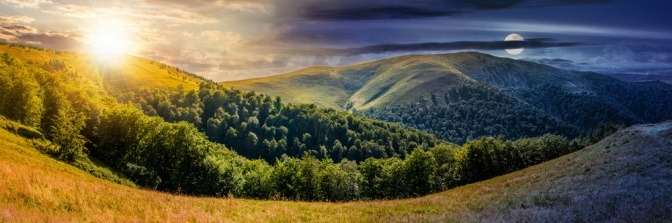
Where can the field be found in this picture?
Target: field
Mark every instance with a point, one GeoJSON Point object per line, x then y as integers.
{"type": "Point", "coordinates": [626, 177]}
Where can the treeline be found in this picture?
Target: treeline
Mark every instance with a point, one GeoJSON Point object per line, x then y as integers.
{"type": "Point", "coordinates": [259, 126]}
{"type": "Point", "coordinates": [178, 158]}
{"type": "Point", "coordinates": [473, 110]}
{"type": "Point", "coordinates": [74, 112]}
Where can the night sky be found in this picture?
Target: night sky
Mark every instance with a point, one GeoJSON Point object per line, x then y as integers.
{"type": "Point", "coordinates": [235, 39]}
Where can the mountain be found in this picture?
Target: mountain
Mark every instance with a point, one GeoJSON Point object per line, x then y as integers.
{"type": "Point", "coordinates": [625, 177]}
{"type": "Point", "coordinates": [405, 79]}
{"type": "Point", "coordinates": [462, 96]}
{"type": "Point", "coordinates": [663, 77]}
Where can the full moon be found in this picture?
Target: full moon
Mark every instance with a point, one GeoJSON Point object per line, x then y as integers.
{"type": "Point", "coordinates": [514, 37]}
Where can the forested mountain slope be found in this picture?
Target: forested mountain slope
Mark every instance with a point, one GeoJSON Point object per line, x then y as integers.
{"type": "Point", "coordinates": [463, 96]}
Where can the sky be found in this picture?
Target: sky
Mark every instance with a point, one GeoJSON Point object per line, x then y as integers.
{"type": "Point", "coordinates": [238, 39]}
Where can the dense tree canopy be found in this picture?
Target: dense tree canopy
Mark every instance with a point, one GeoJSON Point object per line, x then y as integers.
{"type": "Point", "coordinates": [258, 126]}
{"type": "Point", "coordinates": [471, 111]}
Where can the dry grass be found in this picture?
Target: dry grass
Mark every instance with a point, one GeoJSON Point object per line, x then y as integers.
{"type": "Point", "coordinates": [626, 177]}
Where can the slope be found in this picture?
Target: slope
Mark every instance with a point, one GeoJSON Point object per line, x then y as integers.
{"type": "Point", "coordinates": [133, 73]}
{"type": "Point", "coordinates": [466, 95]}
{"type": "Point", "coordinates": [625, 177]}
{"type": "Point", "coordinates": [405, 79]}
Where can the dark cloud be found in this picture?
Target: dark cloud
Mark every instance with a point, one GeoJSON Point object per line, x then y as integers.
{"type": "Point", "coordinates": [388, 12]}
{"type": "Point", "coordinates": [51, 41]}
{"type": "Point", "coordinates": [19, 28]}
{"type": "Point", "coordinates": [445, 46]}
{"type": "Point", "coordinates": [12, 30]}
{"type": "Point", "coordinates": [373, 10]}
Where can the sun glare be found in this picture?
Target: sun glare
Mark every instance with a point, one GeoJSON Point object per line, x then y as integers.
{"type": "Point", "coordinates": [108, 40]}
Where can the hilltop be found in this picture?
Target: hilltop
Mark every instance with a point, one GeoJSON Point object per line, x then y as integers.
{"type": "Point", "coordinates": [625, 177]}
{"type": "Point", "coordinates": [131, 74]}
{"type": "Point", "coordinates": [465, 95]}
{"type": "Point", "coordinates": [405, 79]}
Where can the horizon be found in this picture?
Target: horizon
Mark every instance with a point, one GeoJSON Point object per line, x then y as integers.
{"type": "Point", "coordinates": [235, 40]}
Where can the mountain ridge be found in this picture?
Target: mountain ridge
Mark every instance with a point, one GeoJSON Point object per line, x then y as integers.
{"type": "Point", "coordinates": [421, 90]}
{"type": "Point", "coordinates": [453, 67]}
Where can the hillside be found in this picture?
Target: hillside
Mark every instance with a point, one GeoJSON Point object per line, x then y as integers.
{"type": "Point", "coordinates": [462, 96]}
{"type": "Point", "coordinates": [405, 79]}
{"type": "Point", "coordinates": [133, 73]}
{"type": "Point", "coordinates": [625, 177]}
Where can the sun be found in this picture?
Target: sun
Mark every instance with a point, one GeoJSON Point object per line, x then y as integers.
{"type": "Point", "coordinates": [108, 40]}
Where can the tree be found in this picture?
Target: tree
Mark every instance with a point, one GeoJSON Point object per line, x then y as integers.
{"type": "Point", "coordinates": [419, 167]}
{"type": "Point", "coordinates": [258, 184]}
{"type": "Point", "coordinates": [445, 175]}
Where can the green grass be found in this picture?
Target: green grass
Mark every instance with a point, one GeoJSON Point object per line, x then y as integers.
{"type": "Point", "coordinates": [387, 82]}
{"type": "Point", "coordinates": [320, 85]}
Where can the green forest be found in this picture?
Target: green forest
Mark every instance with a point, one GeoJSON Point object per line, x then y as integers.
{"type": "Point", "coordinates": [222, 142]}
{"type": "Point", "coordinates": [472, 110]}
{"type": "Point", "coordinates": [259, 126]}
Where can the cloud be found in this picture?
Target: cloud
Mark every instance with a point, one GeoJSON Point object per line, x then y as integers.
{"type": "Point", "coordinates": [399, 9]}
{"type": "Point", "coordinates": [228, 38]}
{"type": "Point", "coordinates": [559, 63]}
{"type": "Point", "coordinates": [446, 46]}
{"type": "Point", "coordinates": [27, 3]}
{"type": "Point", "coordinates": [371, 13]}
{"type": "Point", "coordinates": [247, 63]}
{"type": "Point", "coordinates": [242, 5]}
{"type": "Point", "coordinates": [51, 41]}
{"type": "Point", "coordinates": [91, 11]}
{"type": "Point", "coordinates": [16, 19]}
{"type": "Point", "coordinates": [13, 26]}
{"type": "Point", "coordinates": [15, 29]}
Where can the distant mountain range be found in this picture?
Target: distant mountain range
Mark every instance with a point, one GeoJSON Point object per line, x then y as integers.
{"type": "Point", "coordinates": [664, 77]}
{"type": "Point", "coordinates": [465, 95]}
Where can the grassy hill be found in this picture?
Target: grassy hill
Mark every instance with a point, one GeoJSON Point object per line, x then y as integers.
{"type": "Point", "coordinates": [405, 79]}
{"type": "Point", "coordinates": [462, 96]}
{"type": "Point", "coordinates": [133, 73]}
{"type": "Point", "coordinates": [625, 177]}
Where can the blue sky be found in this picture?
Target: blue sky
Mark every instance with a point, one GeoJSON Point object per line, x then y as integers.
{"type": "Point", "coordinates": [236, 39]}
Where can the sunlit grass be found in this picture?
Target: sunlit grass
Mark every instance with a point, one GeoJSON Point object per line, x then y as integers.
{"type": "Point", "coordinates": [134, 73]}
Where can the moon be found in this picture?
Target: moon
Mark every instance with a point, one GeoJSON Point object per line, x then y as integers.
{"type": "Point", "coordinates": [514, 37]}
